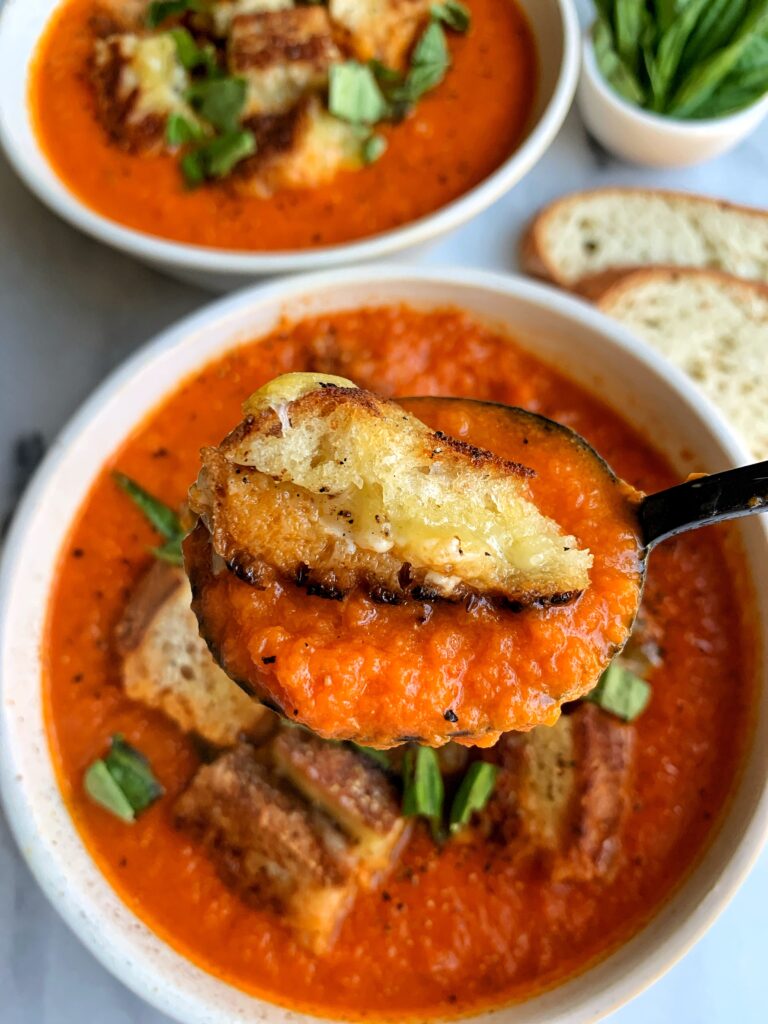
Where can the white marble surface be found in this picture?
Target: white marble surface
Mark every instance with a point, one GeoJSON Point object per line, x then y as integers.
{"type": "Point", "coordinates": [71, 310]}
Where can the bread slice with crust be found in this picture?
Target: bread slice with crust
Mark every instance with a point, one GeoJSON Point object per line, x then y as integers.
{"type": "Point", "coordinates": [581, 240]}
{"type": "Point", "coordinates": [166, 665]}
{"type": "Point", "coordinates": [332, 488]}
{"type": "Point", "coordinates": [711, 325]}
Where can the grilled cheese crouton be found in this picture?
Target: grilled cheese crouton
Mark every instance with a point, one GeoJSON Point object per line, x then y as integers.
{"type": "Point", "coordinates": [303, 148]}
{"type": "Point", "coordinates": [282, 55]}
{"type": "Point", "coordinates": [383, 30]}
{"type": "Point", "coordinates": [269, 845]}
{"type": "Point", "coordinates": [166, 665]}
{"type": "Point", "coordinates": [333, 488]}
{"type": "Point", "coordinates": [138, 82]}
{"type": "Point", "coordinates": [350, 789]}
{"type": "Point", "coordinates": [222, 13]}
{"type": "Point", "coordinates": [562, 792]}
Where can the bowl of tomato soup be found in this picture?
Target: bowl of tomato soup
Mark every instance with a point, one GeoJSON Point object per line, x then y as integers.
{"type": "Point", "coordinates": [435, 159]}
{"type": "Point", "coordinates": [461, 928]}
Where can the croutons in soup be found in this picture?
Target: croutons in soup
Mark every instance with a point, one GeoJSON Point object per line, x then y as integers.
{"type": "Point", "coordinates": [278, 125]}
{"type": "Point", "coordinates": [278, 861]}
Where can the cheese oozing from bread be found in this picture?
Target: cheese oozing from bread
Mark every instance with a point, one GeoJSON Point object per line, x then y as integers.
{"type": "Point", "coordinates": [333, 488]}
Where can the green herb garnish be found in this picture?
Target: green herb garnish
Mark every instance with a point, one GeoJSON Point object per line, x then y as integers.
{"type": "Point", "coordinates": [621, 692]}
{"type": "Point", "coordinates": [423, 791]}
{"type": "Point", "coordinates": [122, 781]}
{"type": "Point", "coordinates": [161, 10]}
{"type": "Point", "coordinates": [691, 59]}
{"type": "Point", "coordinates": [429, 62]}
{"type": "Point", "coordinates": [217, 157]}
{"type": "Point", "coordinates": [473, 793]}
{"type": "Point", "coordinates": [219, 101]}
{"type": "Point", "coordinates": [159, 515]}
{"type": "Point", "coordinates": [453, 14]}
{"type": "Point", "coordinates": [373, 148]}
{"type": "Point", "coordinates": [180, 131]}
{"type": "Point", "coordinates": [354, 94]}
{"type": "Point", "coordinates": [191, 56]}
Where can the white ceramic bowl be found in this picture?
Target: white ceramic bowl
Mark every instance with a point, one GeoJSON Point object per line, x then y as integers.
{"type": "Point", "coordinates": [652, 139]}
{"type": "Point", "coordinates": [593, 350]}
{"type": "Point", "coordinates": [554, 24]}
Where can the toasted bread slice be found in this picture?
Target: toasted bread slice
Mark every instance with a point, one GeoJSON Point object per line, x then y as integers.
{"type": "Point", "coordinates": [138, 82]}
{"type": "Point", "coordinates": [282, 55]}
{"type": "Point", "coordinates": [166, 665]}
{"type": "Point", "coordinates": [562, 793]}
{"type": "Point", "coordinates": [269, 845]}
{"type": "Point", "coordinates": [217, 16]}
{"type": "Point", "coordinates": [382, 30]}
{"type": "Point", "coordinates": [302, 148]}
{"type": "Point", "coordinates": [581, 240]}
{"type": "Point", "coordinates": [333, 488]}
{"type": "Point", "coordinates": [713, 326]}
{"type": "Point", "coordinates": [350, 789]}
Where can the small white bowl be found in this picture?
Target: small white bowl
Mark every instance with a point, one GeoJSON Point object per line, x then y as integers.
{"type": "Point", "coordinates": [654, 139]}
{"type": "Point", "coordinates": [598, 353]}
{"type": "Point", "coordinates": [555, 27]}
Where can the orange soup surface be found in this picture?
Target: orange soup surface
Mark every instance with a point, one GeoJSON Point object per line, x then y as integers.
{"type": "Point", "coordinates": [456, 136]}
{"type": "Point", "coordinates": [455, 928]}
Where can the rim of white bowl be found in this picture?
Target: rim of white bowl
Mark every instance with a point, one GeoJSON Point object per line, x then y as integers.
{"type": "Point", "coordinates": [53, 192]}
{"type": "Point", "coordinates": [81, 902]}
{"type": "Point", "coordinates": [674, 125]}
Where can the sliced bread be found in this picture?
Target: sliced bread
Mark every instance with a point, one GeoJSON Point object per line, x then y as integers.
{"type": "Point", "coordinates": [582, 240]}
{"type": "Point", "coordinates": [713, 326]}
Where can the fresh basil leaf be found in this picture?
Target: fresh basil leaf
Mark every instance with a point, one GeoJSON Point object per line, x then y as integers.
{"type": "Point", "coordinates": [713, 30]}
{"type": "Point", "coordinates": [222, 154]}
{"type": "Point", "coordinates": [374, 147]}
{"type": "Point", "coordinates": [161, 10]}
{"type": "Point", "coordinates": [103, 790]}
{"type": "Point", "coordinates": [354, 94]}
{"type": "Point", "coordinates": [671, 45]}
{"type": "Point", "coordinates": [429, 62]}
{"type": "Point", "coordinates": [473, 793]}
{"type": "Point", "coordinates": [170, 552]}
{"type": "Point", "coordinates": [381, 757]}
{"type": "Point", "coordinates": [423, 791]}
{"type": "Point", "coordinates": [131, 771]}
{"type": "Point", "coordinates": [219, 101]}
{"type": "Point", "coordinates": [621, 692]}
{"type": "Point", "coordinates": [629, 22]}
{"type": "Point", "coordinates": [193, 169]}
{"type": "Point", "coordinates": [122, 781]}
{"type": "Point", "coordinates": [159, 515]}
{"type": "Point", "coordinates": [179, 130]}
{"type": "Point", "coordinates": [611, 66]}
{"type": "Point", "coordinates": [703, 80]}
{"type": "Point", "coordinates": [191, 56]}
{"type": "Point", "coordinates": [452, 13]}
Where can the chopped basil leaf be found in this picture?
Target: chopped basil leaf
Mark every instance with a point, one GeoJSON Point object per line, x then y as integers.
{"type": "Point", "coordinates": [374, 148]}
{"type": "Point", "coordinates": [473, 793]}
{"type": "Point", "coordinates": [453, 14]}
{"type": "Point", "coordinates": [103, 790]}
{"type": "Point", "coordinates": [621, 692]}
{"type": "Point", "coordinates": [122, 782]}
{"type": "Point", "coordinates": [381, 757]}
{"type": "Point", "coordinates": [160, 10]}
{"type": "Point", "coordinates": [170, 552]}
{"type": "Point", "coordinates": [193, 169]}
{"type": "Point", "coordinates": [354, 94]}
{"type": "Point", "coordinates": [429, 62]}
{"type": "Point", "coordinates": [163, 518]}
{"type": "Point", "coordinates": [191, 56]}
{"type": "Point", "coordinates": [223, 153]}
{"type": "Point", "coordinates": [423, 791]}
{"type": "Point", "coordinates": [219, 101]}
{"type": "Point", "coordinates": [179, 130]}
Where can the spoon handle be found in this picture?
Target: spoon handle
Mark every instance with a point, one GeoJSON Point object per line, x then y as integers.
{"type": "Point", "coordinates": [708, 499]}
